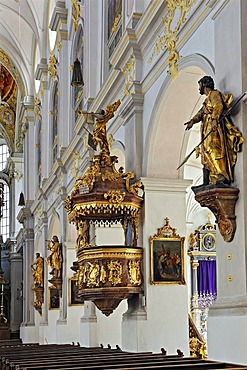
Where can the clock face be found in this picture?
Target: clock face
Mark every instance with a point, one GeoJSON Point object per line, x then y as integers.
{"type": "Point", "coordinates": [208, 242]}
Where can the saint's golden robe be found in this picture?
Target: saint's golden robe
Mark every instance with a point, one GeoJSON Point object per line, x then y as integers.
{"type": "Point", "coordinates": [219, 149]}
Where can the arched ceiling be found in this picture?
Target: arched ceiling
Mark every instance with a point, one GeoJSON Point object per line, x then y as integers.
{"type": "Point", "coordinates": [21, 25]}
{"type": "Point", "coordinates": [170, 143]}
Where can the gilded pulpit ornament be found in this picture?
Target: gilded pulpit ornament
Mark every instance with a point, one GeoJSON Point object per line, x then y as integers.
{"type": "Point", "coordinates": [115, 272]}
{"type": "Point", "coordinates": [38, 276]}
{"type": "Point", "coordinates": [54, 261]}
{"type": "Point", "coordinates": [170, 37]}
{"type": "Point", "coordinates": [105, 196]}
{"type": "Point", "coordinates": [135, 272]}
{"type": "Point", "coordinates": [220, 142]}
{"type": "Point", "coordinates": [99, 131]}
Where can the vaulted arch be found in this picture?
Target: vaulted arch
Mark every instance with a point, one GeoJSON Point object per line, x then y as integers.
{"type": "Point", "coordinates": [176, 102]}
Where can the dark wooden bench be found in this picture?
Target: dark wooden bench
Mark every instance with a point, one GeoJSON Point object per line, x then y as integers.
{"type": "Point", "coordinates": [47, 353]}
{"type": "Point", "coordinates": [68, 357]}
{"type": "Point", "coordinates": [144, 365]}
{"type": "Point", "coordinates": [85, 358]}
{"type": "Point", "coordinates": [128, 362]}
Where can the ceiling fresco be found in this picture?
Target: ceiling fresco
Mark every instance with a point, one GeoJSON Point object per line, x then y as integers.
{"type": "Point", "coordinates": [8, 101]}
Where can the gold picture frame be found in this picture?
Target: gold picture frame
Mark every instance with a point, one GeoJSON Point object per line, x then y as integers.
{"type": "Point", "coordinates": [73, 299]}
{"type": "Point", "coordinates": [166, 256]}
{"type": "Point", "coordinates": [54, 300]}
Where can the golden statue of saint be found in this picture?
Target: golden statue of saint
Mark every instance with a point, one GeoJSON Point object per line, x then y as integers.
{"type": "Point", "coordinates": [54, 260]}
{"type": "Point", "coordinates": [99, 131]}
{"type": "Point", "coordinates": [38, 270]}
{"type": "Point", "coordinates": [220, 147]}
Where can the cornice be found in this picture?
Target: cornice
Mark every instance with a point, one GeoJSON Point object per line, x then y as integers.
{"type": "Point", "coordinates": [59, 16]}
{"type": "Point", "coordinates": [153, 184]}
{"type": "Point", "coordinates": [42, 69]}
{"type": "Point", "coordinates": [133, 104]}
{"type": "Point", "coordinates": [24, 214]}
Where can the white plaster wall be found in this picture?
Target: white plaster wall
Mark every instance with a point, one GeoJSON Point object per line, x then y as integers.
{"type": "Point", "coordinates": [113, 235]}
{"type": "Point", "coordinates": [227, 322]}
{"type": "Point", "coordinates": [50, 330]}
{"type": "Point", "coordinates": [167, 304]}
{"type": "Point", "coordinates": [110, 328]}
{"type": "Point", "coordinates": [29, 334]}
{"type": "Point", "coordinates": [167, 105]}
{"type": "Point", "coordinates": [202, 41]}
{"type": "Point", "coordinates": [74, 313]}
{"type": "Point", "coordinates": [230, 340]}
{"type": "Point", "coordinates": [73, 323]}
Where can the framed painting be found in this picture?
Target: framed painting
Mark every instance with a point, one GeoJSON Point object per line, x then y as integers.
{"type": "Point", "coordinates": [73, 289]}
{"type": "Point", "coordinates": [54, 301]}
{"type": "Point", "coordinates": [167, 256]}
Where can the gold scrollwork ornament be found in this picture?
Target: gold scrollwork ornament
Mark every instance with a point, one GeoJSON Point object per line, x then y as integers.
{"type": "Point", "coordinates": [115, 272]}
{"type": "Point", "coordinates": [52, 69]}
{"type": "Point", "coordinates": [170, 37]}
{"type": "Point", "coordinates": [135, 272]}
{"type": "Point", "coordinates": [115, 196]}
{"type": "Point", "coordinates": [81, 276]}
{"type": "Point", "coordinates": [92, 274]}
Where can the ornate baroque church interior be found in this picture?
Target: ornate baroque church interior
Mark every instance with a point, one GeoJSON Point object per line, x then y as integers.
{"type": "Point", "coordinates": [122, 175]}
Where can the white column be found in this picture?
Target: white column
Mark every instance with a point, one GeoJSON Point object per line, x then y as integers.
{"type": "Point", "coordinates": [166, 305]}
{"type": "Point", "coordinates": [89, 335]}
{"type": "Point", "coordinates": [28, 330]}
{"type": "Point", "coordinates": [227, 321]}
{"type": "Point", "coordinates": [16, 299]}
{"type": "Point", "coordinates": [62, 321]}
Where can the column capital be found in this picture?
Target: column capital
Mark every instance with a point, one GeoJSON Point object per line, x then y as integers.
{"type": "Point", "coordinates": [59, 16]}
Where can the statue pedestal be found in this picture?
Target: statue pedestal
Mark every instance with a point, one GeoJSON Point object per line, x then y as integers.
{"type": "Point", "coordinates": [57, 282]}
{"type": "Point", "coordinates": [221, 200]}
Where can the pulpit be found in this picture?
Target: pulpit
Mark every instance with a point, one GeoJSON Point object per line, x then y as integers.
{"type": "Point", "coordinates": [105, 196]}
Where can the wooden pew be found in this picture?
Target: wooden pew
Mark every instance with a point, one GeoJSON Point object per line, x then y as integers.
{"type": "Point", "coordinates": [51, 351]}
{"type": "Point", "coordinates": [137, 362]}
{"type": "Point", "coordinates": [67, 357]}
{"type": "Point", "coordinates": [87, 359]}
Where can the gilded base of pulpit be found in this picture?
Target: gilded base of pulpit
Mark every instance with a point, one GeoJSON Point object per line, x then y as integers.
{"type": "Point", "coordinates": [57, 282]}
{"type": "Point", "coordinates": [109, 274]}
{"type": "Point", "coordinates": [221, 201]}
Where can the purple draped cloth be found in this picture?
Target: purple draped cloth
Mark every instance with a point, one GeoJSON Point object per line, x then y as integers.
{"type": "Point", "coordinates": [206, 279]}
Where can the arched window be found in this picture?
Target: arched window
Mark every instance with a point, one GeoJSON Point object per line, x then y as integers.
{"type": "Point", "coordinates": [38, 145]}
{"type": "Point", "coordinates": [4, 221]}
{"type": "Point", "coordinates": [54, 128]}
{"type": "Point", "coordinates": [78, 54]}
{"type": "Point", "coordinates": [114, 24]}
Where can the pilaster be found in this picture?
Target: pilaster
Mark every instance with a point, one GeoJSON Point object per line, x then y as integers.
{"type": "Point", "coordinates": [132, 115]}
{"type": "Point", "coordinates": [44, 235]}
{"type": "Point", "coordinates": [227, 318]}
{"type": "Point", "coordinates": [88, 335]}
{"type": "Point", "coordinates": [42, 115]}
{"type": "Point", "coordinates": [63, 301]}
{"type": "Point", "coordinates": [15, 287]}
{"type": "Point", "coordinates": [163, 198]}
{"type": "Point", "coordinates": [25, 217]}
